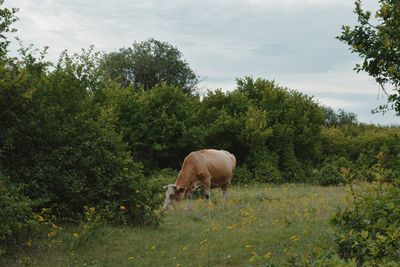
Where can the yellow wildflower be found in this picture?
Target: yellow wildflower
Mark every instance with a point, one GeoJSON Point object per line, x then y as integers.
{"type": "Point", "coordinates": [253, 258]}
{"type": "Point", "coordinates": [52, 234]}
{"type": "Point", "coordinates": [268, 255]}
{"type": "Point", "coordinates": [39, 218]}
{"type": "Point", "coordinates": [76, 235]}
{"type": "Point", "coordinates": [203, 242]}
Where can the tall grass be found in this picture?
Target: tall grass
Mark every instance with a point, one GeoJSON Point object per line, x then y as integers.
{"type": "Point", "coordinates": [258, 225]}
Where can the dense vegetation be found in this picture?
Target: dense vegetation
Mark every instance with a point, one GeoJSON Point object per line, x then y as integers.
{"type": "Point", "coordinates": [95, 132]}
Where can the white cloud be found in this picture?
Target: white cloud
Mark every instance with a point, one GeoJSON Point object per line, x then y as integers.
{"type": "Point", "coordinates": [340, 80]}
{"type": "Point", "coordinates": [339, 103]}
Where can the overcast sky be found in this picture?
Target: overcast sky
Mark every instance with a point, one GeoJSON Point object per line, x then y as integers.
{"type": "Point", "coordinates": [289, 41]}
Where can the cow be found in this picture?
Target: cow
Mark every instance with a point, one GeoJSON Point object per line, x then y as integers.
{"type": "Point", "coordinates": [207, 168]}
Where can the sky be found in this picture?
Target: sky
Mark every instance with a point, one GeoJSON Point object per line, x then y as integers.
{"type": "Point", "coordinates": [289, 41]}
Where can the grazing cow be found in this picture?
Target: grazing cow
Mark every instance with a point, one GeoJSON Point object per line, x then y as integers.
{"type": "Point", "coordinates": [208, 168]}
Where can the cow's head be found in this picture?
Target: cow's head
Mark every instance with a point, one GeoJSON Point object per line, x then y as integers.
{"type": "Point", "coordinates": [172, 194]}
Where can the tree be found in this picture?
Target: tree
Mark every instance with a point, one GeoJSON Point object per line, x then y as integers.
{"type": "Point", "coordinates": [379, 46]}
{"type": "Point", "coordinates": [7, 17]}
{"type": "Point", "coordinates": [57, 145]}
{"type": "Point", "coordinates": [160, 125]}
{"type": "Point", "coordinates": [338, 118]}
{"type": "Point", "coordinates": [149, 63]}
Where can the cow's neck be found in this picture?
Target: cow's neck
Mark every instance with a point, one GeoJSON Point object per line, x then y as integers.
{"type": "Point", "coordinates": [184, 179]}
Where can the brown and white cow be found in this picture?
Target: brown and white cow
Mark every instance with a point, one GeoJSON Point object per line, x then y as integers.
{"type": "Point", "coordinates": [208, 168]}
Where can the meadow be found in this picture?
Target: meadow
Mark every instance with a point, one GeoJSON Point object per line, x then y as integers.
{"type": "Point", "coordinates": [259, 225]}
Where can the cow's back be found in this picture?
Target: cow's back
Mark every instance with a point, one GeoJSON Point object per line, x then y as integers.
{"type": "Point", "coordinates": [219, 164]}
{"type": "Point", "coordinates": [200, 165]}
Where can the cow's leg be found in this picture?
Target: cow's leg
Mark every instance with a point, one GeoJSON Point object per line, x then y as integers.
{"type": "Point", "coordinates": [224, 191]}
{"type": "Point", "coordinates": [207, 189]}
{"type": "Point", "coordinates": [207, 193]}
{"type": "Point", "coordinates": [189, 202]}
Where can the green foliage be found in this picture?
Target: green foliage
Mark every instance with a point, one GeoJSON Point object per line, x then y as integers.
{"type": "Point", "coordinates": [330, 259]}
{"type": "Point", "coordinates": [163, 177]}
{"type": "Point", "coordinates": [160, 126]}
{"type": "Point", "coordinates": [265, 166]}
{"type": "Point", "coordinates": [338, 118]}
{"type": "Point", "coordinates": [329, 173]}
{"type": "Point", "coordinates": [163, 125]}
{"type": "Point", "coordinates": [222, 116]}
{"type": "Point", "coordinates": [378, 45]}
{"type": "Point", "coordinates": [360, 144]}
{"type": "Point", "coordinates": [368, 229]}
{"type": "Point", "coordinates": [295, 120]}
{"type": "Point", "coordinates": [242, 175]}
{"type": "Point", "coordinates": [147, 64]}
{"type": "Point", "coordinates": [273, 130]}
{"type": "Point", "coordinates": [16, 216]}
{"type": "Point", "coordinates": [90, 228]}
{"type": "Point", "coordinates": [55, 144]}
{"type": "Point", "coordinates": [7, 18]}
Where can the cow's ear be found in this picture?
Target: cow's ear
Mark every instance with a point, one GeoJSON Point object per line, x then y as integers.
{"type": "Point", "coordinates": [181, 190]}
{"type": "Point", "coordinates": [170, 185]}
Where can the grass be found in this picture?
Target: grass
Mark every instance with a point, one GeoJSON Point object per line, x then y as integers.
{"type": "Point", "coordinates": [259, 225]}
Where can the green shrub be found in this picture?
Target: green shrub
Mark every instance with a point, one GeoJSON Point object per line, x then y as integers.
{"type": "Point", "coordinates": [290, 166]}
{"type": "Point", "coordinates": [18, 224]}
{"type": "Point", "coordinates": [160, 126]}
{"type": "Point", "coordinates": [242, 175]}
{"type": "Point", "coordinates": [58, 145]}
{"type": "Point", "coordinates": [265, 166]}
{"type": "Point", "coordinates": [163, 177]}
{"type": "Point", "coordinates": [329, 173]}
{"type": "Point", "coordinates": [331, 259]}
{"type": "Point", "coordinates": [368, 230]}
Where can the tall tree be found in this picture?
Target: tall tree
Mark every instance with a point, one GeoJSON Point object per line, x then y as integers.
{"type": "Point", "coordinates": [149, 63]}
{"type": "Point", "coordinates": [377, 42]}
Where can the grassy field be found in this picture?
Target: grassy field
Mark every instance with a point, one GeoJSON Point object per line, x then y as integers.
{"type": "Point", "coordinates": [258, 225]}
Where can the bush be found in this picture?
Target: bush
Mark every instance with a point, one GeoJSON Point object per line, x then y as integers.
{"type": "Point", "coordinates": [291, 168]}
{"type": "Point", "coordinates": [163, 177]}
{"type": "Point", "coordinates": [368, 230]}
{"type": "Point", "coordinates": [265, 167]}
{"type": "Point", "coordinates": [160, 126]}
{"type": "Point", "coordinates": [58, 145]}
{"type": "Point", "coordinates": [17, 218]}
{"type": "Point", "coordinates": [329, 173]}
{"type": "Point", "coordinates": [331, 259]}
{"type": "Point", "coordinates": [242, 175]}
